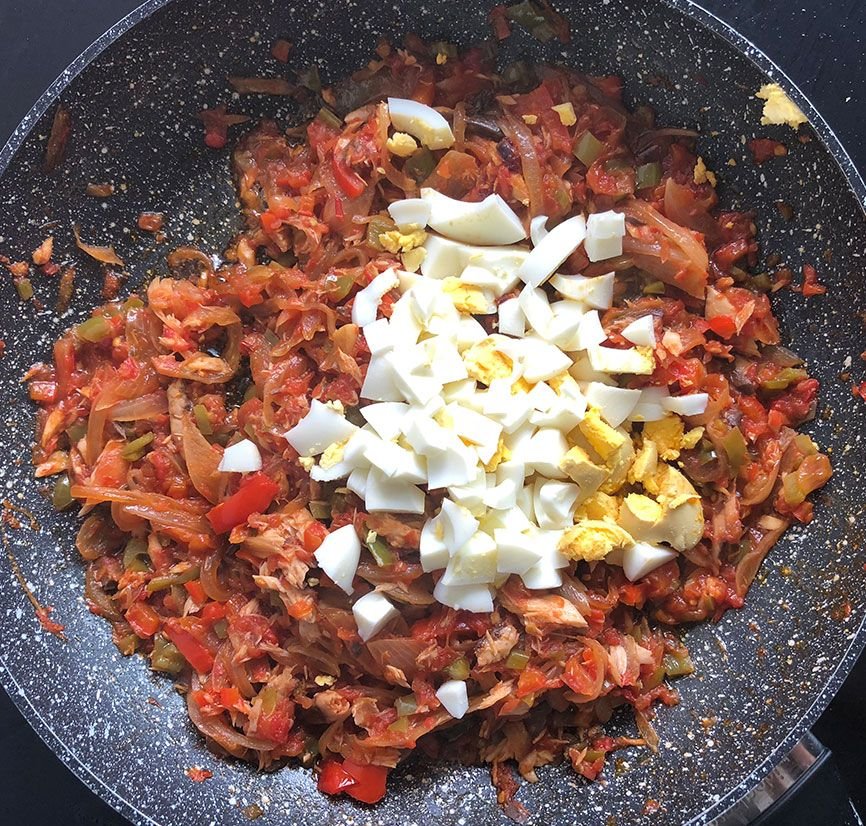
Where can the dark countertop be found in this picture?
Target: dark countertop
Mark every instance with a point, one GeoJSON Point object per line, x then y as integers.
{"type": "Point", "coordinates": [819, 43]}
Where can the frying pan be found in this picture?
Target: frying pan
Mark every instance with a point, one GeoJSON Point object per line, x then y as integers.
{"type": "Point", "coordinates": [764, 674]}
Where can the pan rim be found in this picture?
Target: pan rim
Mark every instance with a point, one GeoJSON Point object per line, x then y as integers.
{"type": "Point", "coordinates": [704, 18]}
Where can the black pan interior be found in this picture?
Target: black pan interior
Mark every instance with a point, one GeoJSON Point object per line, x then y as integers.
{"type": "Point", "coordinates": [763, 673]}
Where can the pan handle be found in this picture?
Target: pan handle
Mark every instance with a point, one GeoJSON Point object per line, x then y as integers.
{"type": "Point", "coordinates": [808, 773]}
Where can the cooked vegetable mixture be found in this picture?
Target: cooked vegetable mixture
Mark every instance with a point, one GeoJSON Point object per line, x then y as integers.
{"type": "Point", "coordinates": [480, 406]}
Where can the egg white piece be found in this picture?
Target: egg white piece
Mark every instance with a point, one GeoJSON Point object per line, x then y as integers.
{"type": "Point", "coordinates": [552, 250]}
{"type": "Point", "coordinates": [641, 331]}
{"type": "Point", "coordinates": [612, 360]}
{"type": "Point", "coordinates": [474, 563]}
{"type": "Point", "coordinates": [538, 229]}
{"type": "Point", "coordinates": [512, 321]}
{"type": "Point", "coordinates": [241, 457]}
{"type": "Point", "coordinates": [595, 292]}
{"type": "Point", "coordinates": [614, 403]}
{"type": "Point", "coordinates": [692, 404]}
{"type": "Point", "coordinates": [385, 418]}
{"type": "Point", "coordinates": [517, 553]}
{"type": "Point", "coordinates": [372, 613]}
{"type": "Point", "coordinates": [423, 122]}
{"type": "Point", "coordinates": [590, 333]}
{"type": "Point", "coordinates": [321, 427]}
{"type": "Point", "coordinates": [410, 212]}
{"type": "Point", "coordinates": [366, 303]}
{"type": "Point", "coordinates": [386, 494]}
{"type": "Point", "coordinates": [489, 222]}
{"type": "Point", "coordinates": [604, 234]}
{"type": "Point", "coordinates": [475, 598]}
{"type": "Point", "coordinates": [536, 308]}
{"type": "Point", "coordinates": [380, 382]}
{"type": "Point", "coordinates": [379, 336]}
{"type": "Point", "coordinates": [458, 525]}
{"type": "Point", "coordinates": [643, 558]}
{"type": "Point", "coordinates": [357, 482]}
{"type": "Point", "coordinates": [545, 450]}
{"type": "Point", "coordinates": [454, 698]}
{"type": "Point", "coordinates": [338, 556]}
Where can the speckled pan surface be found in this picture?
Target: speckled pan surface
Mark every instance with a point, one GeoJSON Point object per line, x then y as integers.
{"type": "Point", "coordinates": [764, 673]}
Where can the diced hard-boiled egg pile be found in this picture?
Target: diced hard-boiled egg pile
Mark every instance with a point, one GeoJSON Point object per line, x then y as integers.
{"type": "Point", "coordinates": [524, 434]}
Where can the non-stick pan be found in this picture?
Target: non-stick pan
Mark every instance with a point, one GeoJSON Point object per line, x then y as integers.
{"type": "Point", "coordinates": [763, 673]}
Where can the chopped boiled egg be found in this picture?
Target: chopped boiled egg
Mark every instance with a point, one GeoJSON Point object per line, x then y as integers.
{"type": "Point", "coordinates": [512, 321]}
{"type": "Point", "coordinates": [445, 258]}
{"type": "Point", "coordinates": [590, 333]}
{"type": "Point", "coordinates": [537, 229]}
{"type": "Point", "coordinates": [591, 540]}
{"type": "Point", "coordinates": [474, 563]}
{"type": "Point", "coordinates": [454, 698]}
{"type": "Point", "coordinates": [536, 308]}
{"type": "Point", "coordinates": [643, 558]}
{"type": "Point", "coordinates": [458, 525]}
{"type": "Point", "coordinates": [410, 213]}
{"type": "Point", "coordinates": [385, 494]}
{"type": "Point", "coordinates": [366, 303]}
{"type": "Point", "coordinates": [554, 503]}
{"type": "Point", "coordinates": [614, 403]}
{"type": "Point", "coordinates": [241, 457]}
{"type": "Point", "coordinates": [424, 122]}
{"type": "Point", "coordinates": [596, 292]}
{"type": "Point", "coordinates": [475, 598]}
{"type": "Point", "coordinates": [321, 427]}
{"type": "Point", "coordinates": [489, 222]}
{"type": "Point", "coordinates": [385, 418]}
{"type": "Point", "coordinates": [552, 250]}
{"type": "Point", "coordinates": [692, 404]}
{"type": "Point", "coordinates": [432, 548]}
{"type": "Point", "coordinates": [516, 551]}
{"type": "Point", "coordinates": [372, 613]}
{"type": "Point", "coordinates": [638, 361]}
{"type": "Point", "coordinates": [604, 234]}
{"type": "Point", "coordinates": [338, 556]}
{"type": "Point", "coordinates": [641, 331]}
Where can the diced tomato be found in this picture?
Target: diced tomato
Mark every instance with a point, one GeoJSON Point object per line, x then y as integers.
{"type": "Point", "coordinates": [230, 697]}
{"type": "Point", "coordinates": [765, 148]}
{"type": "Point", "coordinates": [370, 781]}
{"type": "Point", "coordinates": [189, 635]}
{"type": "Point", "coordinates": [723, 325]}
{"type": "Point", "coordinates": [581, 673]}
{"type": "Point", "coordinates": [314, 535]}
{"type": "Point", "coordinates": [255, 495]}
{"type": "Point", "coordinates": [333, 778]}
{"type": "Point", "coordinates": [276, 724]}
{"type": "Point", "coordinates": [611, 177]}
{"type": "Point", "coordinates": [533, 679]}
{"type": "Point", "coordinates": [270, 222]}
{"type": "Point", "coordinates": [213, 612]}
{"type": "Point", "coordinates": [143, 619]}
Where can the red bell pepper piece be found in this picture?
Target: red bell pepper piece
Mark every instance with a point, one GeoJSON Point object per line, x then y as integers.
{"type": "Point", "coordinates": [255, 495]}
{"type": "Point", "coordinates": [363, 782]}
{"type": "Point", "coordinates": [370, 785]}
{"type": "Point", "coordinates": [189, 637]}
{"type": "Point", "coordinates": [347, 179]}
{"type": "Point", "coordinates": [333, 778]}
{"type": "Point", "coordinates": [143, 619]}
